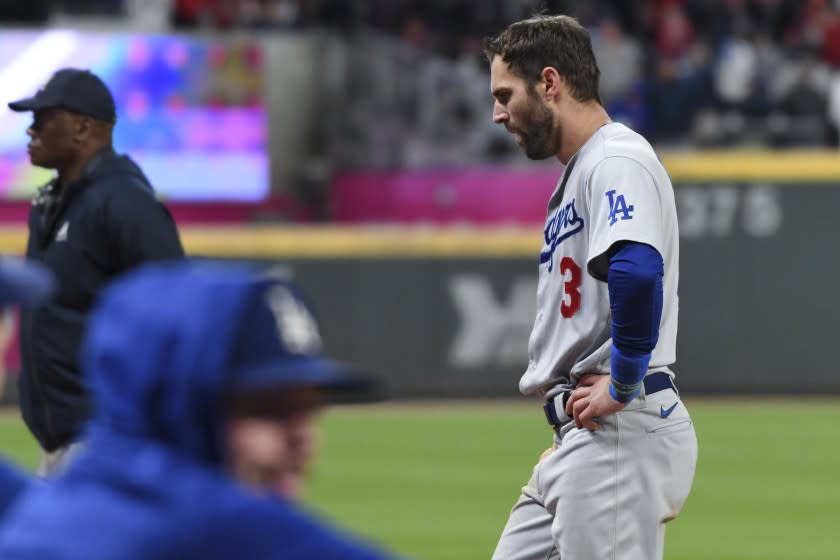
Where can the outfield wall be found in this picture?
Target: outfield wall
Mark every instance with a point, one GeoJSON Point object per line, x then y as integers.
{"type": "Point", "coordinates": [447, 311]}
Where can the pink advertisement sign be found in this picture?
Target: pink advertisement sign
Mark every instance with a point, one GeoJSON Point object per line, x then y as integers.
{"type": "Point", "coordinates": [484, 196]}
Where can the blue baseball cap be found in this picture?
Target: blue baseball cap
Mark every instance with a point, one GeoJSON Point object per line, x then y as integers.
{"type": "Point", "coordinates": [80, 91]}
{"type": "Point", "coordinates": [23, 282]}
{"type": "Point", "coordinates": [278, 346]}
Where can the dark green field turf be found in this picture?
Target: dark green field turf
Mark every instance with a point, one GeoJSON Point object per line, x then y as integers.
{"type": "Point", "coordinates": [435, 481]}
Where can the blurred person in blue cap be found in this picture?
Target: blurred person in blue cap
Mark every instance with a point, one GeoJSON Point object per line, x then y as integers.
{"type": "Point", "coordinates": [205, 379]}
{"type": "Point", "coordinates": [21, 283]}
{"type": "Point", "coordinates": [96, 219]}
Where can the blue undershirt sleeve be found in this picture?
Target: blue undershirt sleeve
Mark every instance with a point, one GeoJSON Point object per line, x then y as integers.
{"type": "Point", "coordinates": [634, 281]}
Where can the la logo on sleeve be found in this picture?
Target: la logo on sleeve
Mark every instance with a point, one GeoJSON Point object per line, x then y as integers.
{"type": "Point", "coordinates": [619, 206]}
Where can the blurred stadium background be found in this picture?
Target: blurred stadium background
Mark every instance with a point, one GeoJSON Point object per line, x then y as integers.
{"type": "Point", "coordinates": [349, 144]}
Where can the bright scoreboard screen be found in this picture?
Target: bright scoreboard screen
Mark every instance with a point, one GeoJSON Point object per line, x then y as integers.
{"type": "Point", "coordinates": [190, 111]}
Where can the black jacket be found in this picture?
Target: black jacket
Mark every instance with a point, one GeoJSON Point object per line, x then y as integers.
{"type": "Point", "coordinates": [87, 233]}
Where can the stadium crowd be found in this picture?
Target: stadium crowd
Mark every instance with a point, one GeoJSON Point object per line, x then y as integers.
{"type": "Point", "coordinates": [697, 72]}
{"type": "Point", "coordinates": [686, 73]}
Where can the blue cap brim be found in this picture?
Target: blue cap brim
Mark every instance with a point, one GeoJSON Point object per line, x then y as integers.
{"type": "Point", "coordinates": [340, 381]}
{"type": "Point", "coordinates": [23, 283]}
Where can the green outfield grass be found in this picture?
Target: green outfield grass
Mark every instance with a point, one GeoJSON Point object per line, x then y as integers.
{"type": "Point", "coordinates": [435, 481]}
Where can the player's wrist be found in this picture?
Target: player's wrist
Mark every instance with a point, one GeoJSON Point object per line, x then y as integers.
{"type": "Point", "coordinates": [624, 393]}
{"type": "Point", "coordinates": [626, 374]}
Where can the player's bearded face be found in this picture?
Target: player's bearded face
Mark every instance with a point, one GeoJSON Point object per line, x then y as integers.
{"type": "Point", "coordinates": [536, 128]}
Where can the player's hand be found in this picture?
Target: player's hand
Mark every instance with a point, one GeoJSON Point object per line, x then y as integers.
{"type": "Point", "coordinates": [591, 399]}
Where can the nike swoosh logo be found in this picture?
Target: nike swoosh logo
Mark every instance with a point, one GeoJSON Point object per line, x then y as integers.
{"type": "Point", "coordinates": [666, 412]}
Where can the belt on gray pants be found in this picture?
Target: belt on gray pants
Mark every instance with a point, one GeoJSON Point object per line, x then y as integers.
{"type": "Point", "coordinates": [655, 382]}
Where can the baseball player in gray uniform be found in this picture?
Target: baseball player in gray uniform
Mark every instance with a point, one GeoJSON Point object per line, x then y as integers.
{"type": "Point", "coordinates": [624, 451]}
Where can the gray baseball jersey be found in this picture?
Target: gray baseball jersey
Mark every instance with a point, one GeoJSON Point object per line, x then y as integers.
{"type": "Point", "coordinates": [605, 493]}
{"type": "Point", "coordinates": [614, 189]}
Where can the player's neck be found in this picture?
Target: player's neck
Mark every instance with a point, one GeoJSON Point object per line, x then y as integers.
{"type": "Point", "coordinates": [579, 127]}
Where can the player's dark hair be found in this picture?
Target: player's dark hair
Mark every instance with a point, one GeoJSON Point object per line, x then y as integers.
{"type": "Point", "coordinates": [558, 41]}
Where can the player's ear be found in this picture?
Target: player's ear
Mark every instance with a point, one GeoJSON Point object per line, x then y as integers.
{"type": "Point", "coordinates": [551, 83]}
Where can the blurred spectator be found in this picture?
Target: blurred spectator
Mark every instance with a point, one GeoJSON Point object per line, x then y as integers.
{"type": "Point", "coordinates": [209, 13]}
{"type": "Point", "coordinates": [666, 100]}
{"type": "Point", "coordinates": [805, 105]}
{"type": "Point", "coordinates": [834, 110]}
{"type": "Point", "coordinates": [88, 7]}
{"type": "Point", "coordinates": [830, 31]}
{"type": "Point", "coordinates": [674, 32]}
{"type": "Point", "coordinates": [718, 72]}
{"type": "Point", "coordinates": [30, 11]}
{"type": "Point", "coordinates": [619, 58]}
{"type": "Point", "coordinates": [736, 74]}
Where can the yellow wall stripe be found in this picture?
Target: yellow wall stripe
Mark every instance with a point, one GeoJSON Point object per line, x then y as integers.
{"type": "Point", "coordinates": [13, 239]}
{"type": "Point", "coordinates": [360, 242]}
{"type": "Point", "coordinates": [340, 242]}
{"type": "Point", "coordinates": [789, 166]}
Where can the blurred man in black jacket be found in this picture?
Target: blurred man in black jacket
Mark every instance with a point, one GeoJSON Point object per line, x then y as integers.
{"type": "Point", "coordinates": [97, 219]}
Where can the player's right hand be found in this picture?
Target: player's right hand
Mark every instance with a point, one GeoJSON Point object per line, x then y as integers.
{"type": "Point", "coordinates": [591, 399]}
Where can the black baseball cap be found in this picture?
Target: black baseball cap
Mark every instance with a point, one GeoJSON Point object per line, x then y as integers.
{"type": "Point", "coordinates": [23, 282]}
{"type": "Point", "coordinates": [80, 91]}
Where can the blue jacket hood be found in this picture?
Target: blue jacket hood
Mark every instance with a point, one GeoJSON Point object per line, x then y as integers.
{"type": "Point", "coordinates": [148, 483]}
{"type": "Point", "coordinates": [155, 376]}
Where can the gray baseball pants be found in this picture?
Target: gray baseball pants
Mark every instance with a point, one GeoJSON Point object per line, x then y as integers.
{"type": "Point", "coordinates": [607, 494]}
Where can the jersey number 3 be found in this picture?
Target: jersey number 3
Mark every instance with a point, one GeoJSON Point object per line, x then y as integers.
{"type": "Point", "coordinates": [571, 287]}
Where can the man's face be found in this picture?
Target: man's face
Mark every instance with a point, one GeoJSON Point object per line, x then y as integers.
{"type": "Point", "coordinates": [52, 138]}
{"type": "Point", "coordinates": [271, 448]}
{"type": "Point", "coordinates": [518, 107]}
